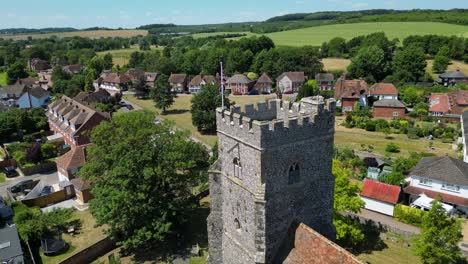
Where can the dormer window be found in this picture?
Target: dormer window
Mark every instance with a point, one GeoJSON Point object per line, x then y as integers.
{"type": "Point", "coordinates": [426, 182]}
{"type": "Point", "coordinates": [237, 167]}
{"type": "Point", "coordinates": [294, 175]}
{"type": "Point", "coordinates": [451, 187]}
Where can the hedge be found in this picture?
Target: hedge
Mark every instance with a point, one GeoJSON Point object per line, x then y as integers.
{"type": "Point", "coordinates": [408, 215]}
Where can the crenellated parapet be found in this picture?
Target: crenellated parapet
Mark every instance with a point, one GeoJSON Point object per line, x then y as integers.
{"type": "Point", "coordinates": [278, 122]}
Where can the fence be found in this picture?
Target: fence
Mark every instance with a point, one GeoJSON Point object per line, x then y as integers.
{"type": "Point", "coordinates": [90, 253]}
{"type": "Point", "coordinates": [7, 163]}
{"type": "Point", "coordinates": [42, 168]}
{"type": "Point", "coordinates": [53, 198]}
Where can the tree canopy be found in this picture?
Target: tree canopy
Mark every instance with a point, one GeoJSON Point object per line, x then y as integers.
{"type": "Point", "coordinates": [142, 177]}
{"type": "Point", "coordinates": [204, 104]}
{"type": "Point", "coordinates": [162, 95]}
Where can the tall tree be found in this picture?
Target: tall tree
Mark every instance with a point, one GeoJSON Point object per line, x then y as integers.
{"type": "Point", "coordinates": [162, 95]}
{"type": "Point", "coordinates": [142, 175]}
{"type": "Point", "coordinates": [369, 63]}
{"type": "Point", "coordinates": [204, 105]}
{"type": "Point", "coordinates": [16, 71]}
{"type": "Point", "coordinates": [439, 239]}
{"type": "Point", "coordinates": [441, 60]}
{"type": "Point", "coordinates": [409, 64]}
{"type": "Point", "coordinates": [108, 61]}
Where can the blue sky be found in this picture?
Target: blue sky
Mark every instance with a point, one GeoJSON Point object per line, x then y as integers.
{"type": "Point", "coordinates": [133, 13]}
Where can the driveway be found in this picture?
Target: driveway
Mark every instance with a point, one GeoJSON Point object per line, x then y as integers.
{"type": "Point", "coordinates": [50, 177]}
{"type": "Point", "coordinates": [388, 220]}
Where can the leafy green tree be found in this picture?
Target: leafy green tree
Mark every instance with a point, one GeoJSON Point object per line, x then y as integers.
{"type": "Point", "coordinates": [58, 74]}
{"type": "Point", "coordinates": [346, 199]}
{"type": "Point", "coordinates": [90, 76]}
{"type": "Point", "coordinates": [392, 147]}
{"type": "Point", "coordinates": [441, 60]}
{"type": "Point", "coordinates": [97, 64]}
{"type": "Point", "coordinates": [204, 104]}
{"type": "Point", "coordinates": [142, 174]}
{"type": "Point", "coordinates": [310, 88]}
{"type": "Point", "coordinates": [162, 94]}
{"type": "Point", "coordinates": [16, 71]}
{"type": "Point", "coordinates": [336, 47]}
{"type": "Point", "coordinates": [369, 63]}
{"type": "Point", "coordinates": [393, 178]}
{"type": "Point", "coordinates": [439, 239]}
{"type": "Point", "coordinates": [48, 150]}
{"type": "Point", "coordinates": [409, 64]}
{"type": "Point", "coordinates": [108, 61]}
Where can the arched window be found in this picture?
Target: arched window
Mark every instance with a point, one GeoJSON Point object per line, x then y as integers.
{"type": "Point", "coordinates": [237, 224]}
{"type": "Point", "coordinates": [294, 175]}
{"type": "Point", "coordinates": [237, 167]}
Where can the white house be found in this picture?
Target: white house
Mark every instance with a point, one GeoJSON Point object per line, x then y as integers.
{"type": "Point", "coordinates": [464, 126]}
{"type": "Point", "coordinates": [445, 176]}
{"type": "Point", "coordinates": [380, 197]}
{"type": "Point", "coordinates": [381, 91]}
{"type": "Point", "coordinates": [290, 81]}
{"type": "Point", "coordinates": [199, 81]}
{"type": "Point", "coordinates": [33, 97]}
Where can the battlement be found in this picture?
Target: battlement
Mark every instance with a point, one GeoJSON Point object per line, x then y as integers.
{"type": "Point", "coordinates": [277, 121]}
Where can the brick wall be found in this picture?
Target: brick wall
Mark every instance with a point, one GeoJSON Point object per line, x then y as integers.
{"type": "Point", "coordinates": [388, 112]}
{"type": "Point", "coordinates": [90, 253]}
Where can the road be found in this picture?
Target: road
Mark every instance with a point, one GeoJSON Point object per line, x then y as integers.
{"type": "Point", "coordinates": [50, 177]}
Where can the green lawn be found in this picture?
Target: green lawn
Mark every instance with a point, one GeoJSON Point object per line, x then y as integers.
{"type": "Point", "coordinates": [88, 234]}
{"type": "Point", "coordinates": [3, 79]}
{"type": "Point", "coordinates": [396, 252]}
{"type": "Point", "coordinates": [2, 177]}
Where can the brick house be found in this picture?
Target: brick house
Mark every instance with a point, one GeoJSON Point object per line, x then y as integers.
{"type": "Point", "coordinates": [72, 119]}
{"type": "Point", "coordinates": [239, 84]}
{"type": "Point", "coordinates": [289, 82]}
{"type": "Point", "coordinates": [178, 82]}
{"type": "Point", "coordinates": [264, 84]}
{"type": "Point", "coordinates": [69, 163]}
{"type": "Point", "coordinates": [325, 81]}
{"type": "Point", "coordinates": [82, 190]}
{"type": "Point", "coordinates": [380, 91]}
{"type": "Point", "coordinates": [199, 81]}
{"type": "Point", "coordinates": [350, 92]}
{"type": "Point", "coordinates": [388, 108]}
{"type": "Point", "coordinates": [458, 101]}
{"type": "Point", "coordinates": [439, 105]}
{"type": "Point", "coordinates": [150, 79]}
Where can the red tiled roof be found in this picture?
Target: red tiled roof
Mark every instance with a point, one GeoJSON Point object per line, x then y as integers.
{"type": "Point", "coordinates": [460, 97]}
{"type": "Point", "coordinates": [383, 89]}
{"type": "Point", "coordinates": [439, 103]}
{"type": "Point", "coordinates": [381, 191]}
{"type": "Point", "coordinates": [434, 195]}
{"type": "Point", "coordinates": [74, 158]}
{"type": "Point", "coordinates": [117, 78]}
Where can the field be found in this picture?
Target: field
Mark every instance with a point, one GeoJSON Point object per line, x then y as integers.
{"type": "Point", "coordinates": [454, 65]}
{"type": "Point", "coordinates": [88, 234]}
{"type": "Point", "coordinates": [125, 33]}
{"type": "Point", "coordinates": [330, 64]}
{"type": "Point", "coordinates": [122, 56]}
{"type": "Point", "coordinates": [3, 79]}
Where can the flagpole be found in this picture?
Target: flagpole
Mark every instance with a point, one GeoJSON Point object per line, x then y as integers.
{"type": "Point", "coordinates": [222, 86]}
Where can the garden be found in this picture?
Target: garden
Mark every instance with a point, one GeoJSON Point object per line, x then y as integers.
{"type": "Point", "coordinates": [30, 154]}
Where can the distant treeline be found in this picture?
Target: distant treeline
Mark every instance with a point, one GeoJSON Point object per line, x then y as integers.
{"type": "Point", "coordinates": [19, 31]}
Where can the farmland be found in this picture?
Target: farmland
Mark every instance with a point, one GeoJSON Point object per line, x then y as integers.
{"type": "Point", "coordinates": [122, 56]}
{"type": "Point", "coordinates": [124, 33]}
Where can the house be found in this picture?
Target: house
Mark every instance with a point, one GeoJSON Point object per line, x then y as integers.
{"type": "Point", "coordinates": [69, 163]}
{"type": "Point", "coordinates": [388, 108]}
{"type": "Point", "coordinates": [150, 78]}
{"type": "Point", "coordinates": [264, 84]}
{"type": "Point", "coordinates": [350, 92]}
{"type": "Point", "coordinates": [10, 94]}
{"type": "Point", "coordinates": [73, 120]}
{"type": "Point", "coordinates": [289, 82]}
{"type": "Point", "coordinates": [380, 91]}
{"type": "Point", "coordinates": [239, 84]}
{"type": "Point", "coordinates": [325, 81]}
{"type": "Point", "coordinates": [10, 245]}
{"type": "Point", "coordinates": [29, 81]}
{"type": "Point", "coordinates": [82, 190]}
{"type": "Point", "coordinates": [115, 83]}
{"type": "Point", "coordinates": [458, 101]}
{"type": "Point", "coordinates": [38, 65]}
{"type": "Point", "coordinates": [73, 69]}
{"type": "Point", "coordinates": [439, 105]}
{"type": "Point", "coordinates": [452, 78]}
{"type": "Point", "coordinates": [464, 129]}
{"type": "Point", "coordinates": [99, 96]}
{"type": "Point", "coordinates": [380, 197]}
{"type": "Point", "coordinates": [33, 97]}
{"type": "Point", "coordinates": [178, 82]}
{"type": "Point", "coordinates": [198, 81]}
{"type": "Point", "coordinates": [444, 176]}
{"type": "Point", "coordinates": [135, 74]}
{"type": "Point", "coordinates": [45, 80]}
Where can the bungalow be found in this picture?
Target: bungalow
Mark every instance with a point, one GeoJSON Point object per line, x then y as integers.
{"type": "Point", "coordinates": [33, 97]}
{"type": "Point", "coordinates": [264, 84]}
{"type": "Point", "coordinates": [444, 176]}
{"type": "Point", "coordinates": [452, 78]}
{"type": "Point", "coordinates": [73, 69]}
{"type": "Point", "coordinates": [380, 91]}
{"type": "Point", "coordinates": [464, 127]}
{"type": "Point", "coordinates": [289, 82]}
{"type": "Point", "coordinates": [380, 197]}
{"type": "Point", "coordinates": [10, 94]}
{"type": "Point", "coordinates": [458, 101]}
{"type": "Point", "coordinates": [38, 65]}
{"type": "Point", "coordinates": [198, 81]}
{"type": "Point", "coordinates": [178, 82]}
{"type": "Point", "coordinates": [325, 81]}
{"type": "Point", "coordinates": [150, 79]}
{"type": "Point", "coordinates": [115, 83]}
{"type": "Point", "coordinates": [239, 84]}
{"type": "Point", "coordinates": [388, 108]}
{"type": "Point", "coordinates": [350, 92]}
{"type": "Point", "coordinates": [439, 105]}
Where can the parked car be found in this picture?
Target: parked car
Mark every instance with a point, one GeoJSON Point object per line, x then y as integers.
{"type": "Point", "coordinates": [10, 172]}
{"type": "Point", "coordinates": [288, 92]}
{"type": "Point", "coordinates": [253, 92]}
{"type": "Point", "coordinates": [20, 186]}
{"type": "Point", "coordinates": [46, 190]}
